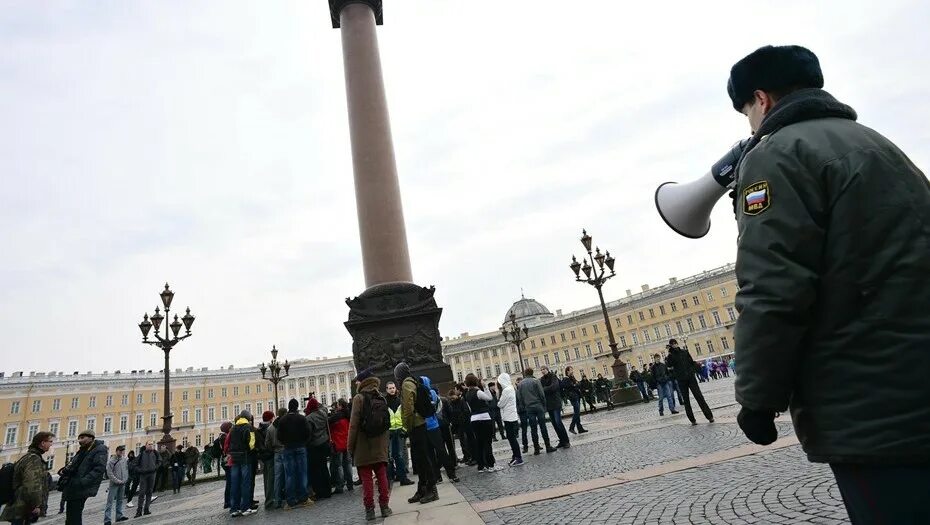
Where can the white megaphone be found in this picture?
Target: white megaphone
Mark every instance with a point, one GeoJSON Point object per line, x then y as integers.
{"type": "Point", "coordinates": [686, 207]}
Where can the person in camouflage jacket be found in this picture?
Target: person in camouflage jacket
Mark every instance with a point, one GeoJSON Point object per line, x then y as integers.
{"type": "Point", "coordinates": [30, 482]}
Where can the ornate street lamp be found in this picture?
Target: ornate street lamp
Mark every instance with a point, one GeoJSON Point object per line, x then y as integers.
{"type": "Point", "coordinates": [272, 372]}
{"type": "Point", "coordinates": [596, 274]}
{"type": "Point", "coordinates": [515, 335]}
{"type": "Point", "coordinates": [166, 343]}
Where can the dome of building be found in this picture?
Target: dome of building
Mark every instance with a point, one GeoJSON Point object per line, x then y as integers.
{"type": "Point", "coordinates": [527, 310]}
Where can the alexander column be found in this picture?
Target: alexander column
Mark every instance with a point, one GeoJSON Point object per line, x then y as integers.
{"type": "Point", "coordinates": [394, 319]}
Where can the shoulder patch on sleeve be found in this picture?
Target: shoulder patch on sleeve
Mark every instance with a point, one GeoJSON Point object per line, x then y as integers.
{"type": "Point", "coordinates": [757, 198]}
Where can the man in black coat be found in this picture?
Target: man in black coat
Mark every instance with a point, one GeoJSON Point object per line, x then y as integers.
{"type": "Point", "coordinates": [293, 431]}
{"type": "Point", "coordinates": [832, 261]}
{"type": "Point", "coordinates": [553, 389]}
{"type": "Point", "coordinates": [84, 473]}
{"type": "Point", "coordinates": [681, 367]}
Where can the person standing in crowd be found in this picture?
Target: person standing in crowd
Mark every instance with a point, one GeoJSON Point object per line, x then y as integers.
{"type": "Point", "coordinates": [508, 407]}
{"type": "Point", "coordinates": [30, 483]}
{"type": "Point", "coordinates": [397, 462]}
{"type": "Point", "coordinates": [552, 387]}
{"type": "Point", "coordinates": [318, 449]}
{"type": "Point", "coordinates": [178, 465]}
{"type": "Point", "coordinates": [219, 448]}
{"type": "Point", "coordinates": [534, 401]}
{"type": "Point", "coordinates": [637, 378]}
{"type": "Point", "coordinates": [84, 475]}
{"type": "Point", "coordinates": [445, 428]}
{"type": "Point", "coordinates": [163, 476]}
{"type": "Point", "coordinates": [367, 442]}
{"type": "Point", "coordinates": [438, 453]}
{"type": "Point", "coordinates": [682, 369]}
{"type": "Point", "coordinates": [340, 466]}
{"type": "Point", "coordinates": [570, 388]}
{"type": "Point", "coordinates": [146, 465]}
{"type": "Point", "coordinates": [293, 431]}
{"type": "Point", "coordinates": [587, 392]}
{"type": "Point", "coordinates": [192, 457]}
{"type": "Point", "coordinates": [664, 383]}
{"type": "Point", "coordinates": [133, 485]}
{"type": "Point", "coordinates": [240, 443]}
{"type": "Point", "coordinates": [479, 400]}
{"type": "Point", "coordinates": [602, 386]}
{"type": "Point", "coordinates": [832, 262]}
{"type": "Point", "coordinates": [415, 426]}
{"type": "Point", "coordinates": [457, 414]}
{"type": "Point", "coordinates": [521, 414]}
{"type": "Point", "coordinates": [274, 444]}
{"type": "Point", "coordinates": [265, 452]}
{"type": "Point", "coordinates": [495, 411]}
{"type": "Point", "coordinates": [118, 474]}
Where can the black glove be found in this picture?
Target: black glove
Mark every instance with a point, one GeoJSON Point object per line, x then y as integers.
{"type": "Point", "coordinates": [759, 426]}
{"type": "Point", "coordinates": [733, 198]}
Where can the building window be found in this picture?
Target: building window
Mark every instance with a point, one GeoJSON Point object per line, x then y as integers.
{"type": "Point", "coordinates": [723, 291]}
{"type": "Point", "coordinates": [211, 414]}
{"type": "Point", "coordinates": [641, 316]}
{"type": "Point", "coordinates": [56, 405]}
{"type": "Point", "coordinates": [635, 340]}
{"type": "Point", "coordinates": [138, 421]}
{"type": "Point", "coordinates": [678, 327]}
{"type": "Point", "coordinates": [622, 340]}
{"type": "Point", "coordinates": [617, 321]}
{"type": "Point", "coordinates": [31, 433]}
{"type": "Point", "coordinates": [697, 348]}
{"type": "Point", "coordinates": [138, 399]}
{"type": "Point", "coordinates": [124, 401]}
{"type": "Point", "coordinates": [197, 394]}
{"type": "Point", "coordinates": [507, 367]}
{"type": "Point", "coordinates": [710, 296]}
{"type": "Point", "coordinates": [93, 402]}
{"type": "Point", "coordinates": [552, 339]}
{"type": "Point", "coordinates": [92, 424]}
{"type": "Point", "coordinates": [494, 352]}
{"type": "Point", "coordinates": [587, 349]}
{"type": "Point", "coordinates": [652, 313]}
{"type": "Point", "coordinates": [661, 309]}
{"type": "Point", "coordinates": [457, 360]}
{"type": "Point", "coordinates": [153, 419]}
{"type": "Point", "coordinates": [594, 327]}
{"type": "Point", "coordinates": [562, 335]}
{"type": "Point", "coordinates": [542, 341]}
{"type": "Point", "coordinates": [198, 415]}
{"type": "Point", "coordinates": [124, 423]}
{"type": "Point", "coordinates": [459, 375]}
{"type": "Point", "coordinates": [668, 330]}
{"type": "Point", "coordinates": [53, 428]}
{"type": "Point", "coordinates": [224, 412]}
{"type": "Point", "coordinates": [248, 390]}
{"type": "Point", "coordinates": [567, 358]}
{"type": "Point", "coordinates": [72, 429]}
{"type": "Point", "coordinates": [487, 369]}
{"type": "Point", "coordinates": [546, 359]}
{"type": "Point", "coordinates": [646, 336]}
{"type": "Point", "coordinates": [684, 304]}
{"type": "Point", "coordinates": [497, 369]}
{"type": "Point", "coordinates": [557, 359]}
{"type": "Point", "coordinates": [674, 306]}
{"type": "Point", "coordinates": [710, 346]}
{"type": "Point", "coordinates": [702, 321]}
{"type": "Point", "coordinates": [724, 343]}
{"type": "Point", "coordinates": [107, 425]}
{"type": "Point", "coordinates": [235, 391]}
{"type": "Point", "coordinates": [109, 401]}
{"type": "Point", "coordinates": [584, 332]}
{"type": "Point", "coordinates": [629, 319]}
{"type": "Point", "coordinates": [154, 397]}
{"type": "Point", "coordinates": [332, 379]}
{"type": "Point", "coordinates": [694, 299]}
{"type": "Point", "coordinates": [536, 361]}
{"type": "Point", "coordinates": [640, 359]}
{"type": "Point", "coordinates": [533, 343]}
{"type": "Point", "coordinates": [716, 315]}
{"type": "Point", "coordinates": [572, 333]}
{"type": "Point", "coordinates": [36, 406]}
{"type": "Point", "coordinates": [655, 330]}
{"type": "Point", "coordinates": [210, 393]}
{"type": "Point", "coordinates": [197, 441]}
{"type": "Point", "coordinates": [690, 325]}
{"type": "Point", "coordinates": [10, 439]}
{"type": "Point", "coordinates": [731, 313]}
{"type": "Point", "coordinates": [577, 353]}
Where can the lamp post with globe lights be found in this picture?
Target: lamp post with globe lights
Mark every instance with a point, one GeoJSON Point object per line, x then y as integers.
{"type": "Point", "coordinates": [596, 274]}
{"type": "Point", "coordinates": [166, 343]}
{"type": "Point", "coordinates": [272, 372]}
{"type": "Point", "coordinates": [515, 335]}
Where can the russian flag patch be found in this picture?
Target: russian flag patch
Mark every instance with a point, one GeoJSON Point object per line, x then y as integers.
{"type": "Point", "coordinates": [756, 198]}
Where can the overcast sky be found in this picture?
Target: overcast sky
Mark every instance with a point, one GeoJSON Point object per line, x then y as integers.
{"type": "Point", "coordinates": [206, 144]}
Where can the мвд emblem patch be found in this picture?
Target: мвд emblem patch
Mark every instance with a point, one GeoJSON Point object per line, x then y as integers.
{"type": "Point", "coordinates": [756, 198]}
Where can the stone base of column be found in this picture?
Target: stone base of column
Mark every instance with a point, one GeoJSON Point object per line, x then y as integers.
{"type": "Point", "coordinates": [396, 322]}
{"type": "Point", "coordinates": [621, 376]}
{"type": "Point", "coordinates": [625, 395]}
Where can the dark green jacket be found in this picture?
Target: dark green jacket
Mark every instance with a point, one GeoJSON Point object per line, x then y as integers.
{"type": "Point", "coordinates": [87, 472]}
{"type": "Point", "coordinates": [833, 266]}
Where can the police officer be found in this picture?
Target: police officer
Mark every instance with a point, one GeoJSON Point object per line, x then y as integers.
{"type": "Point", "coordinates": [832, 263]}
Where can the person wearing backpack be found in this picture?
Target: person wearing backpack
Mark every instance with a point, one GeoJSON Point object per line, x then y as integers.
{"type": "Point", "coordinates": [340, 466]}
{"type": "Point", "coordinates": [265, 455]}
{"type": "Point", "coordinates": [367, 442]}
{"type": "Point", "coordinates": [416, 406]}
{"type": "Point", "coordinates": [25, 484]}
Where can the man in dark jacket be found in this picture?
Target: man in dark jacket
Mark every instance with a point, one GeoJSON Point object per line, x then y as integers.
{"type": "Point", "coordinates": [552, 387]}
{"type": "Point", "coordinates": [84, 473]}
{"type": "Point", "coordinates": [664, 383]}
{"type": "Point", "coordinates": [146, 465]}
{"type": "Point", "coordinates": [681, 368]}
{"type": "Point", "coordinates": [534, 402]}
{"type": "Point", "coordinates": [293, 431]}
{"type": "Point", "coordinates": [241, 444]}
{"type": "Point", "coordinates": [832, 263]}
{"type": "Point", "coordinates": [30, 483]}
{"type": "Point", "coordinates": [637, 377]}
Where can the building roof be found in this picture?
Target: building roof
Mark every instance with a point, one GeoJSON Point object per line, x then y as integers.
{"type": "Point", "coordinates": [527, 310]}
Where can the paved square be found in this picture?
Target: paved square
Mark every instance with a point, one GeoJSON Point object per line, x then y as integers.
{"type": "Point", "coordinates": [633, 466]}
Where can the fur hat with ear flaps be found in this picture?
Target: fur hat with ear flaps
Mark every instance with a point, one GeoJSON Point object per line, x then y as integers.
{"type": "Point", "coordinates": [773, 69]}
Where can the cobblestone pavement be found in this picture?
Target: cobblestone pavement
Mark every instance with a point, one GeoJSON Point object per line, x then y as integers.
{"type": "Point", "coordinates": [780, 487]}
